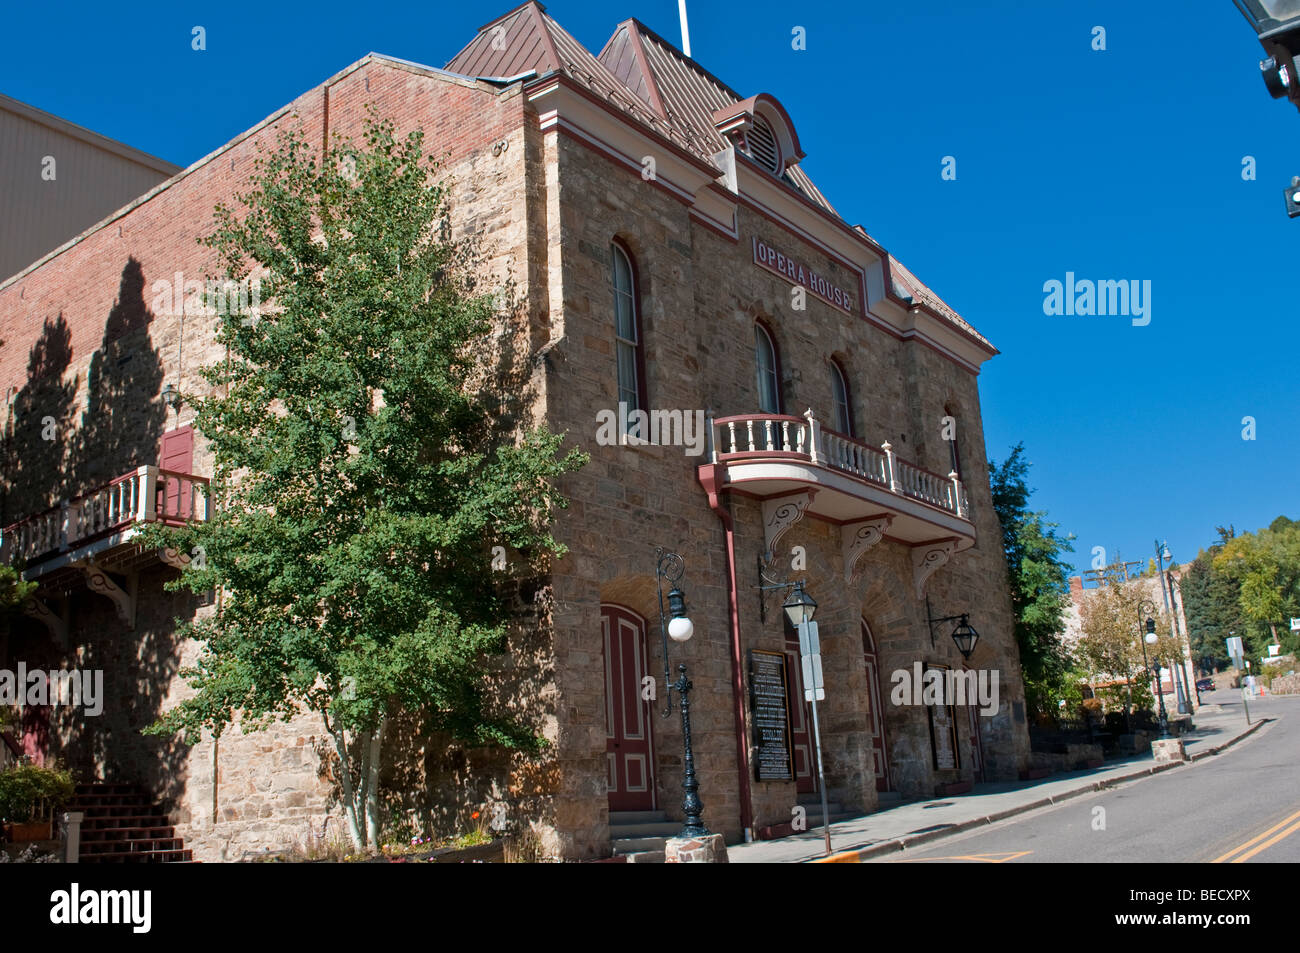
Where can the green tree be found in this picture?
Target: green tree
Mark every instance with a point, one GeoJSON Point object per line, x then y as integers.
{"type": "Point", "coordinates": [362, 473]}
{"type": "Point", "coordinates": [13, 591]}
{"type": "Point", "coordinates": [1039, 581]}
{"type": "Point", "coordinates": [1266, 567]}
{"type": "Point", "coordinates": [1211, 603]}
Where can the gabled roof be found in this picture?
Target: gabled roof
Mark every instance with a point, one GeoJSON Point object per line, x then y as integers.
{"type": "Point", "coordinates": [654, 83]}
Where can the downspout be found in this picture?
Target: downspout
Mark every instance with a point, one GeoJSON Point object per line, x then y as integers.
{"type": "Point", "coordinates": [711, 478]}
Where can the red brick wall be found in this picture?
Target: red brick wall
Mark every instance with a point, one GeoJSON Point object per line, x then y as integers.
{"type": "Point", "coordinates": [102, 286]}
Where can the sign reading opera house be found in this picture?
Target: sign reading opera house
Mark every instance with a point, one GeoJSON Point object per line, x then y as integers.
{"type": "Point", "coordinates": [825, 460]}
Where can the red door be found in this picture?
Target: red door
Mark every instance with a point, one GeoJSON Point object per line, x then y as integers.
{"type": "Point", "coordinates": [176, 454]}
{"type": "Point", "coordinates": [36, 731]}
{"type": "Point", "coordinates": [879, 755]}
{"type": "Point", "coordinates": [627, 714]}
{"type": "Point", "coordinates": [805, 772]}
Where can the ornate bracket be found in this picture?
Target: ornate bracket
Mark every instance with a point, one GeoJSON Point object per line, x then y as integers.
{"type": "Point", "coordinates": [97, 580]}
{"type": "Point", "coordinates": [174, 557]}
{"type": "Point", "coordinates": [857, 538]}
{"type": "Point", "coordinates": [782, 513]}
{"type": "Point", "coordinates": [926, 560]}
{"type": "Point", "coordinates": [42, 613]}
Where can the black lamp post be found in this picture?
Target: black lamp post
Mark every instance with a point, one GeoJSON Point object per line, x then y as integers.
{"type": "Point", "coordinates": [1146, 608]}
{"type": "Point", "coordinates": [670, 566]}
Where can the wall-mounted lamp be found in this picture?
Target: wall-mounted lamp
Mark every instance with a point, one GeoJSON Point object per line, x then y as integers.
{"type": "Point", "coordinates": [171, 397]}
{"type": "Point", "coordinates": [963, 632]}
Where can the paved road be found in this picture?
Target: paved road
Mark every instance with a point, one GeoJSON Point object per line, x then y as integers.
{"type": "Point", "coordinates": [1239, 806]}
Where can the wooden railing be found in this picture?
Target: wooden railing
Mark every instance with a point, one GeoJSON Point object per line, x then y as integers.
{"type": "Point", "coordinates": [144, 495]}
{"type": "Point", "coordinates": [775, 434]}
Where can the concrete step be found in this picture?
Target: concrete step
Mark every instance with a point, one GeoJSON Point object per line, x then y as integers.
{"type": "Point", "coordinates": [635, 845]}
{"type": "Point", "coordinates": [646, 857]}
{"type": "Point", "coordinates": [648, 829]}
{"type": "Point", "coordinates": [636, 817]}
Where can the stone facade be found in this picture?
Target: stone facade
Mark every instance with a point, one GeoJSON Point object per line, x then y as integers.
{"type": "Point", "coordinates": [545, 199]}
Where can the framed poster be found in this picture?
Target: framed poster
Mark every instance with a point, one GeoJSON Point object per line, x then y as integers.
{"type": "Point", "coordinates": [769, 694]}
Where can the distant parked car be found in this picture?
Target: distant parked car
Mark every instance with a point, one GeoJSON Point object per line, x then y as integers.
{"type": "Point", "coordinates": [1205, 685]}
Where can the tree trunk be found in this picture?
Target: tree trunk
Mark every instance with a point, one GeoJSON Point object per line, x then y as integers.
{"type": "Point", "coordinates": [355, 829]}
{"type": "Point", "coordinates": [372, 784]}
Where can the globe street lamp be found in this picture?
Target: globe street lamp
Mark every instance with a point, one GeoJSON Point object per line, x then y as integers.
{"type": "Point", "coordinates": [1146, 608]}
{"type": "Point", "coordinates": [670, 566]}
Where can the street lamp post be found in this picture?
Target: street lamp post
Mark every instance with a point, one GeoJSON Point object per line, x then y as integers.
{"type": "Point", "coordinates": [1180, 686]}
{"type": "Point", "coordinates": [670, 566]}
{"type": "Point", "coordinates": [1149, 638]}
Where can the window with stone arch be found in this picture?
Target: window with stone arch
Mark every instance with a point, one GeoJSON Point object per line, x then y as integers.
{"type": "Point", "coordinates": [768, 371]}
{"type": "Point", "coordinates": [629, 356]}
{"type": "Point", "coordinates": [954, 454]}
{"type": "Point", "coordinates": [841, 415]}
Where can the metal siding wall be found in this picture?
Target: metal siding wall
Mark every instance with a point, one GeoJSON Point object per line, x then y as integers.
{"type": "Point", "coordinates": [37, 216]}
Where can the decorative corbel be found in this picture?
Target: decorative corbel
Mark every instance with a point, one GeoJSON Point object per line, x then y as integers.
{"type": "Point", "coordinates": [97, 580]}
{"type": "Point", "coordinates": [927, 559]}
{"type": "Point", "coordinates": [857, 538]}
{"type": "Point", "coordinates": [174, 557]}
{"type": "Point", "coordinates": [42, 613]}
{"type": "Point", "coordinates": [782, 513]}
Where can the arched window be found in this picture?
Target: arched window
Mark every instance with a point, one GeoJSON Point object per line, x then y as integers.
{"type": "Point", "coordinates": [950, 434]}
{"type": "Point", "coordinates": [841, 418]}
{"type": "Point", "coordinates": [769, 379]}
{"type": "Point", "coordinates": [763, 147]}
{"type": "Point", "coordinates": [627, 335]}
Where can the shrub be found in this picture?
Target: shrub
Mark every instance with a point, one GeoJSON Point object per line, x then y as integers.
{"type": "Point", "coordinates": [24, 788]}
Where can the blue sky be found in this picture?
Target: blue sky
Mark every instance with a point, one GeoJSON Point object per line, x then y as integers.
{"type": "Point", "coordinates": [1117, 164]}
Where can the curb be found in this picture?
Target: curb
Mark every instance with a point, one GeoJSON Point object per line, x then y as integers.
{"type": "Point", "coordinates": [858, 854]}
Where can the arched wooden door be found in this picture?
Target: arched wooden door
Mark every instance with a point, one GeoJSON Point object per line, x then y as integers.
{"type": "Point", "coordinates": [875, 709]}
{"type": "Point", "coordinates": [629, 747]}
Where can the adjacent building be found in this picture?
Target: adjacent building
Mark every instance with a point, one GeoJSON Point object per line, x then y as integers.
{"type": "Point", "coordinates": [811, 411]}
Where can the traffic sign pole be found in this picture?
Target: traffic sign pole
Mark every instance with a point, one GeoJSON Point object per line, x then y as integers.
{"type": "Point", "coordinates": [814, 690]}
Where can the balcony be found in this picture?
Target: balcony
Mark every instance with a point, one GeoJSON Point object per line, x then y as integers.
{"type": "Point", "coordinates": [795, 467]}
{"type": "Point", "coordinates": [93, 535]}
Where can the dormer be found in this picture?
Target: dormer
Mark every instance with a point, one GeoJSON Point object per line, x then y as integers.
{"type": "Point", "coordinates": [760, 128]}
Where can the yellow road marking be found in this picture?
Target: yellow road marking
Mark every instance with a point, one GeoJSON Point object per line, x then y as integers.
{"type": "Point", "coordinates": [1268, 843]}
{"type": "Point", "coordinates": [982, 858]}
{"type": "Point", "coordinates": [1254, 840]}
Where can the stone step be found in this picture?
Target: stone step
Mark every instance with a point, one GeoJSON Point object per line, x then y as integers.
{"type": "Point", "coordinates": [888, 797]}
{"type": "Point", "coordinates": [646, 857]}
{"type": "Point", "coordinates": [135, 845]}
{"type": "Point", "coordinates": [636, 845]}
{"type": "Point", "coordinates": [115, 834]}
{"type": "Point", "coordinates": [141, 857]}
{"type": "Point", "coordinates": [636, 817]}
{"type": "Point", "coordinates": [109, 822]}
{"type": "Point", "coordinates": [646, 829]}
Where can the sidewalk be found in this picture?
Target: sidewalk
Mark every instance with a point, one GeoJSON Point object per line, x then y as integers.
{"type": "Point", "coordinates": [918, 822]}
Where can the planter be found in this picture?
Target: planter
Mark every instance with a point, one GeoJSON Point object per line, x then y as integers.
{"type": "Point", "coordinates": [19, 833]}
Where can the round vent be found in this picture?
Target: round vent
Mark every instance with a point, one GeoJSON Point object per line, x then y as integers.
{"type": "Point", "coordinates": [762, 144]}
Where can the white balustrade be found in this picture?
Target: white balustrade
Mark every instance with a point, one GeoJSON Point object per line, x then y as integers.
{"type": "Point", "coordinates": [136, 497]}
{"type": "Point", "coordinates": [769, 433]}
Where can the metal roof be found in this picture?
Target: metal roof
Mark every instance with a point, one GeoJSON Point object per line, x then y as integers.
{"type": "Point", "coordinates": [655, 84]}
